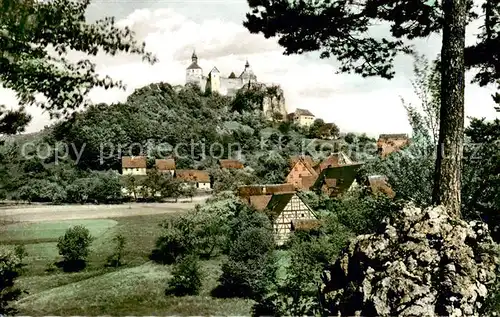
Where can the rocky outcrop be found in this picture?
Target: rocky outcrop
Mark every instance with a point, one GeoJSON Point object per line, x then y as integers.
{"type": "Point", "coordinates": [423, 263]}
{"type": "Point", "coordinates": [273, 100]}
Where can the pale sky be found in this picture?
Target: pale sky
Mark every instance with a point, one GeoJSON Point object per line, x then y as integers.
{"type": "Point", "coordinates": [172, 29]}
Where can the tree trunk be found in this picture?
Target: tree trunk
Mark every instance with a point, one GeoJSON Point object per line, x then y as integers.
{"type": "Point", "coordinates": [447, 177]}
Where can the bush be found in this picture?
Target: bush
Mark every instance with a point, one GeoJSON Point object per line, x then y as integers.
{"type": "Point", "coordinates": [251, 266]}
{"type": "Point", "coordinates": [177, 240]}
{"type": "Point", "coordinates": [10, 268]}
{"type": "Point", "coordinates": [74, 247]}
{"type": "Point", "coordinates": [186, 277]}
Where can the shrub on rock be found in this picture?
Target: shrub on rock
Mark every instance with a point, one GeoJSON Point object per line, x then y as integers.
{"type": "Point", "coordinates": [422, 263]}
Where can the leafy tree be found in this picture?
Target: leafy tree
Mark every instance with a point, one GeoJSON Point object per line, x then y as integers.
{"type": "Point", "coordinates": [74, 247]}
{"type": "Point", "coordinates": [481, 176]}
{"type": "Point", "coordinates": [186, 277]}
{"type": "Point", "coordinates": [250, 268]}
{"type": "Point", "coordinates": [116, 258]}
{"type": "Point", "coordinates": [10, 268]}
{"type": "Point", "coordinates": [321, 130]}
{"type": "Point", "coordinates": [424, 120]}
{"type": "Point", "coordinates": [176, 240]}
{"type": "Point", "coordinates": [29, 28]}
{"type": "Point", "coordinates": [13, 121]}
{"type": "Point", "coordinates": [339, 29]}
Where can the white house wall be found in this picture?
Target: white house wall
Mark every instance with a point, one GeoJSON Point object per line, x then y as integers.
{"type": "Point", "coordinates": [294, 210]}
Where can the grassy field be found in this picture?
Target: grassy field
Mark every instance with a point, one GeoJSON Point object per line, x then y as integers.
{"type": "Point", "coordinates": [137, 288]}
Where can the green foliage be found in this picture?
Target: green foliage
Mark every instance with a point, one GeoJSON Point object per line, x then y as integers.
{"type": "Point", "coordinates": [202, 232]}
{"type": "Point", "coordinates": [175, 241]}
{"type": "Point", "coordinates": [481, 170]}
{"type": "Point", "coordinates": [74, 247]}
{"type": "Point", "coordinates": [321, 130]}
{"type": "Point", "coordinates": [357, 212]}
{"type": "Point", "coordinates": [10, 268]}
{"type": "Point", "coordinates": [13, 121]}
{"type": "Point", "coordinates": [225, 180]}
{"type": "Point", "coordinates": [115, 259]}
{"type": "Point", "coordinates": [186, 277]}
{"type": "Point", "coordinates": [251, 266]}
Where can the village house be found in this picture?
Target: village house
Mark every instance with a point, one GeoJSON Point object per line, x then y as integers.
{"type": "Point", "coordinates": [286, 212]}
{"type": "Point", "coordinates": [230, 164]}
{"type": "Point", "coordinates": [338, 180]}
{"type": "Point", "coordinates": [389, 143]}
{"type": "Point", "coordinates": [134, 165]}
{"type": "Point", "coordinates": [165, 166]}
{"type": "Point", "coordinates": [302, 117]}
{"type": "Point", "coordinates": [302, 174]}
{"type": "Point", "coordinates": [197, 178]}
{"type": "Point", "coordinates": [281, 204]}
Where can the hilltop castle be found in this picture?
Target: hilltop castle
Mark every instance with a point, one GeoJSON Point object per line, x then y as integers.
{"type": "Point", "coordinates": [227, 86]}
{"type": "Point", "coordinates": [273, 105]}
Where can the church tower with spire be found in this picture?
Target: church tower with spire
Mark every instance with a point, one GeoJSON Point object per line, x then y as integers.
{"type": "Point", "coordinates": [194, 73]}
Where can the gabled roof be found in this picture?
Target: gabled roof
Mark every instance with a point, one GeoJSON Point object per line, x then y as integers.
{"type": "Point", "coordinates": [193, 176]}
{"type": "Point", "coordinates": [307, 162]}
{"type": "Point", "coordinates": [134, 162]}
{"type": "Point", "coordinates": [338, 179]}
{"type": "Point", "coordinates": [278, 203]}
{"type": "Point", "coordinates": [303, 112]}
{"type": "Point", "coordinates": [306, 158]}
{"type": "Point", "coordinates": [165, 164]}
{"type": "Point", "coordinates": [231, 164]}
{"type": "Point", "coordinates": [214, 70]}
{"type": "Point", "coordinates": [194, 65]}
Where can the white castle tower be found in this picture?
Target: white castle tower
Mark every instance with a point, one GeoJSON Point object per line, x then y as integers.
{"type": "Point", "coordinates": [194, 73]}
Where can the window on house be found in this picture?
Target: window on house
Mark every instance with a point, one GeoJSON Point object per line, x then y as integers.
{"type": "Point", "coordinates": [302, 215]}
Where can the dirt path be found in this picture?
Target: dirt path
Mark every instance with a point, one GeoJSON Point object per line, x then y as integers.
{"type": "Point", "coordinates": [38, 213]}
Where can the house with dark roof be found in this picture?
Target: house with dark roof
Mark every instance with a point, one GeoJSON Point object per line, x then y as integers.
{"type": "Point", "coordinates": [287, 211]}
{"type": "Point", "coordinates": [134, 165]}
{"type": "Point", "coordinates": [197, 178]}
{"type": "Point", "coordinates": [302, 117]}
{"type": "Point", "coordinates": [165, 165]}
{"type": "Point", "coordinates": [302, 174]}
{"type": "Point", "coordinates": [231, 164]}
{"type": "Point", "coordinates": [335, 181]}
{"type": "Point", "coordinates": [389, 143]}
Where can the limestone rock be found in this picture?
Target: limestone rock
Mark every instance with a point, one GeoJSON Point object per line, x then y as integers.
{"type": "Point", "coordinates": [422, 263]}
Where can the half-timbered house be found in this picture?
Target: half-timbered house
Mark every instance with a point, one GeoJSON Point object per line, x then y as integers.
{"type": "Point", "coordinates": [285, 210]}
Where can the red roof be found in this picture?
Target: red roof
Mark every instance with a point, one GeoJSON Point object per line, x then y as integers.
{"type": "Point", "coordinates": [134, 162]}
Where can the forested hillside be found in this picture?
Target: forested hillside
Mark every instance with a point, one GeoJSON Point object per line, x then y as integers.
{"type": "Point", "coordinates": [160, 121]}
